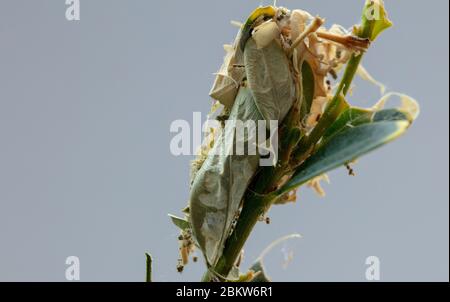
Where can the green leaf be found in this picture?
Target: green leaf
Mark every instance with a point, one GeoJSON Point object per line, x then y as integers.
{"type": "Point", "coordinates": [351, 117]}
{"type": "Point", "coordinates": [345, 147]}
{"type": "Point", "coordinates": [390, 115]}
{"type": "Point", "coordinates": [308, 85]}
{"type": "Point", "coordinates": [181, 223]}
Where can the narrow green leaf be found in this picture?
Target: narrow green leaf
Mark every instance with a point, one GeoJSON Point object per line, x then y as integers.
{"type": "Point", "coordinates": [390, 115]}
{"type": "Point", "coordinates": [308, 85]}
{"type": "Point", "coordinates": [345, 147]}
{"type": "Point", "coordinates": [181, 223]}
{"type": "Point", "coordinates": [351, 117]}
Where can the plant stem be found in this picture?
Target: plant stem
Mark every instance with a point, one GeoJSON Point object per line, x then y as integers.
{"type": "Point", "coordinates": [260, 198]}
{"type": "Point", "coordinates": [148, 273]}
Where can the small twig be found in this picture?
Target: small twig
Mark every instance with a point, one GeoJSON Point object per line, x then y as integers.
{"type": "Point", "coordinates": [350, 42]}
{"type": "Point", "coordinates": [312, 28]}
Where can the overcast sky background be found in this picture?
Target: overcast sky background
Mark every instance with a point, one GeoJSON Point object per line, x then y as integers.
{"type": "Point", "coordinates": [85, 167]}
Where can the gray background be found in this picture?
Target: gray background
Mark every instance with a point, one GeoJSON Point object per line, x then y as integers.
{"type": "Point", "coordinates": [85, 167]}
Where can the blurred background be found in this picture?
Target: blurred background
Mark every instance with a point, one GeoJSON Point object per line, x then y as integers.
{"type": "Point", "coordinates": [85, 165]}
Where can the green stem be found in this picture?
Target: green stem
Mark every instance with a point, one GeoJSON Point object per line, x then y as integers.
{"type": "Point", "coordinates": [148, 273]}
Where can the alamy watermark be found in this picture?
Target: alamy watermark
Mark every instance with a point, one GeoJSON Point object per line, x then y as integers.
{"type": "Point", "coordinates": [374, 10]}
{"type": "Point", "coordinates": [73, 12]}
{"type": "Point", "coordinates": [373, 271]}
{"type": "Point", "coordinates": [231, 137]}
{"type": "Point", "coordinates": [73, 268]}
